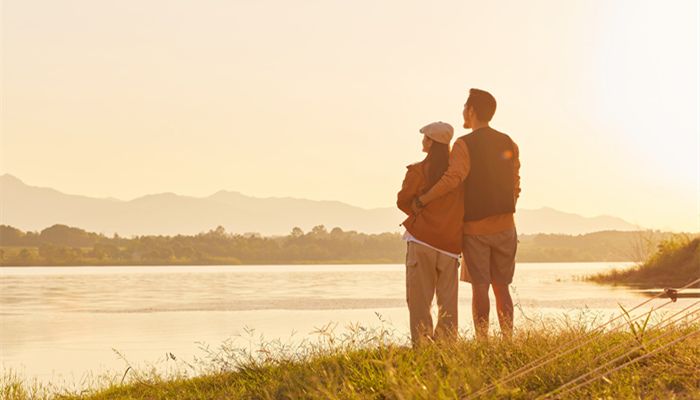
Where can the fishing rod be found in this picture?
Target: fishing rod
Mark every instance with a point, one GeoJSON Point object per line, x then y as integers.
{"type": "Point", "coordinates": [636, 359]}
{"type": "Point", "coordinates": [666, 322]}
{"type": "Point", "coordinates": [552, 355]}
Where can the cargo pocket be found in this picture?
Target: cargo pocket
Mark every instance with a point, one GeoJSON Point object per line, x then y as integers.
{"type": "Point", "coordinates": [411, 265]}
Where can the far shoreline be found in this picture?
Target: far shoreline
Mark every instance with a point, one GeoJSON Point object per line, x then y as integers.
{"type": "Point", "coordinates": [293, 264]}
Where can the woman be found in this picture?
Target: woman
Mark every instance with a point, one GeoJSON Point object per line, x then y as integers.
{"type": "Point", "coordinates": [434, 239]}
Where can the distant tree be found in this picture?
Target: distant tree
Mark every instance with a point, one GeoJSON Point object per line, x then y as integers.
{"type": "Point", "coordinates": [68, 236]}
{"type": "Point", "coordinates": [319, 230]}
{"type": "Point", "coordinates": [183, 251]}
{"type": "Point", "coordinates": [297, 232]}
{"type": "Point", "coordinates": [47, 251]}
{"type": "Point", "coordinates": [72, 254]}
{"type": "Point", "coordinates": [25, 255]}
{"type": "Point", "coordinates": [10, 236]}
{"type": "Point", "coordinates": [31, 239]}
{"type": "Point", "coordinates": [252, 235]}
{"type": "Point", "coordinates": [102, 251]}
{"type": "Point", "coordinates": [52, 254]}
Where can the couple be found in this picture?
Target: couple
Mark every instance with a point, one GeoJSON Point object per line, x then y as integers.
{"type": "Point", "coordinates": [461, 201]}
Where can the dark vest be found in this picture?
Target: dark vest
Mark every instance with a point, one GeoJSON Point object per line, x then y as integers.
{"type": "Point", "coordinates": [488, 189]}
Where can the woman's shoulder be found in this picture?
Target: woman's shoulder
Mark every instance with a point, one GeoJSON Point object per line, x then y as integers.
{"type": "Point", "coordinates": [415, 178]}
{"type": "Point", "coordinates": [417, 166]}
{"type": "Point", "coordinates": [416, 172]}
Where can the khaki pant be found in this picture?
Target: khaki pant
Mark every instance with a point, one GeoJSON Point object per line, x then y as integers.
{"type": "Point", "coordinates": [430, 273]}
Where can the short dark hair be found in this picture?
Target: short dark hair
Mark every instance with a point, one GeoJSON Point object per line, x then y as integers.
{"type": "Point", "coordinates": [483, 102]}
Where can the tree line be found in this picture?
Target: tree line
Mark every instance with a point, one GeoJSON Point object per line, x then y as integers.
{"type": "Point", "coordinates": [65, 245]}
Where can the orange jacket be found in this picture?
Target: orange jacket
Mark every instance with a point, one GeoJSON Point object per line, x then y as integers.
{"type": "Point", "coordinates": [440, 223]}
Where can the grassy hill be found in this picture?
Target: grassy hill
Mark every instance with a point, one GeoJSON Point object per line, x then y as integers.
{"type": "Point", "coordinates": [675, 264]}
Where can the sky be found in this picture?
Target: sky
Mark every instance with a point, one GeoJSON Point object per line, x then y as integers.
{"type": "Point", "coordinates": [323, 99]}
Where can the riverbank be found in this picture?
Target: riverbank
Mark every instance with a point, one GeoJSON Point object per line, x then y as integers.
{"type": "Point", "coordinates": [675, 264]}
{"type": "Point", "coordinates": [367, 364]}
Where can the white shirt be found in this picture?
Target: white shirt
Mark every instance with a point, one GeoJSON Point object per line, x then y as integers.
{"type": "Point", "coordinates": [410, 238]}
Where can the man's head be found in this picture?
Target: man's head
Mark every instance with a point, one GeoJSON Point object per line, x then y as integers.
{"type": "Point", "coordinates": [479, 108]}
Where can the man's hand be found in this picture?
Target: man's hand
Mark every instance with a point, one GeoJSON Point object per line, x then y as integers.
{"type": "Point", "coordinates": [417, 206]}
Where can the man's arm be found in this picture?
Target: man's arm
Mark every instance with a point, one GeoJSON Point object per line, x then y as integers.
{"type": "Point", "coordinates": [457, 171]}
{"type": "Point", "coordinates": [409, 191]}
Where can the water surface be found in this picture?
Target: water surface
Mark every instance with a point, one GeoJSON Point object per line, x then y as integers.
{"type": "Point", "coordinates": [61, 323]}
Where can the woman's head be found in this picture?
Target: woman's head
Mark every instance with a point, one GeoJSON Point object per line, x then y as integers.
{"type": "Point", "coordinates": [436, 142]}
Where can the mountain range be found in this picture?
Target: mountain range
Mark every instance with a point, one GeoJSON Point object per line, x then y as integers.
{"type": "Point", "coordinates": [33, 208]}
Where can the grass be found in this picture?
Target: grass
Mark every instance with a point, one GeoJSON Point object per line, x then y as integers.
{"type": "Point", "coordinates": [675, 264]}
{"type": "Point", "coordinates": [373, 364]}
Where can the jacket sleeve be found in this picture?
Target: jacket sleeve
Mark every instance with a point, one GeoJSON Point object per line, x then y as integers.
{"type": "Point", "coordinates": [457, 171]}
{"type": "Point", "coordinates": [409, 190]}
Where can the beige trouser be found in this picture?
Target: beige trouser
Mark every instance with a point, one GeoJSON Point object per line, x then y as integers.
{"type": "Point", "coordinates": [429, 272]}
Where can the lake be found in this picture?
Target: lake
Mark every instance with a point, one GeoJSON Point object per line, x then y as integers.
{"type": "Point", "coordinates": [61, 324]}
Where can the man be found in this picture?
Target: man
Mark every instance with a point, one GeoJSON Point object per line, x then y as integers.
{"type": "Point", "coordinates": [486, 162]}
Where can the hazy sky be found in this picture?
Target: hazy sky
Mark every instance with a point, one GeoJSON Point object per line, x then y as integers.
{"type": "Point", "coordinates": [323, 99]}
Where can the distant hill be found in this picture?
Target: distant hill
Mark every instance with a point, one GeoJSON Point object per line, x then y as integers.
{"type": "Point", "coordinates": [548, 220]}
{"type": "Point", "coordinates": [34, 208]}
